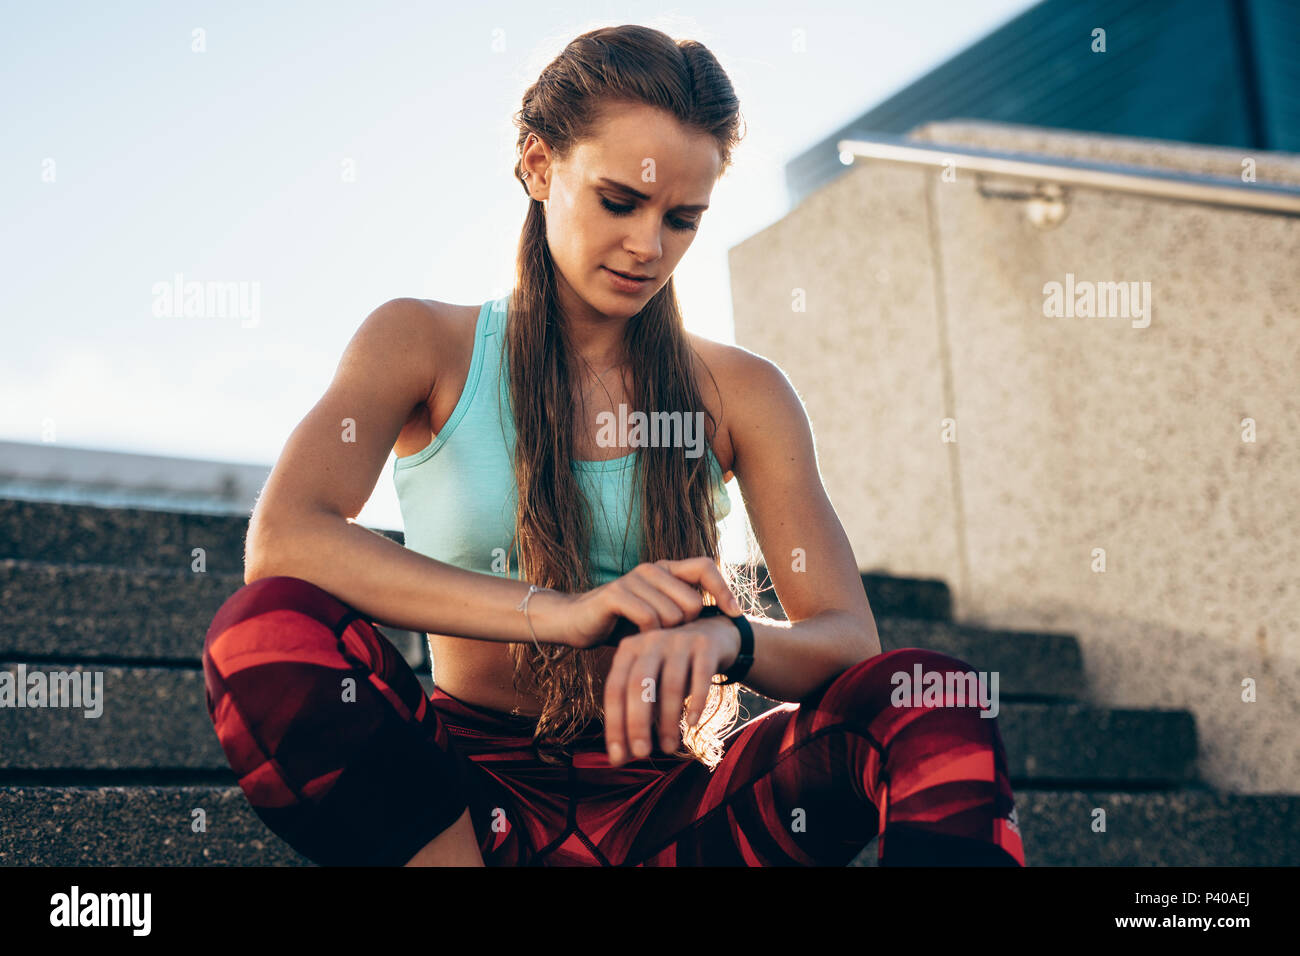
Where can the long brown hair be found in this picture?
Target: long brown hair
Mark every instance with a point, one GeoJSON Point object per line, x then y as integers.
{"type": "Point", "coordinates": [553, 527]}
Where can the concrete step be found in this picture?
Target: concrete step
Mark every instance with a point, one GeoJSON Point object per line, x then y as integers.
{"type": "Point", "coordinates": [156, 718]}
{"type": "Point", "coordinates": [1046, 665]}
{"type": "Point", "coordinates": [927, 598]}
{"type": "Point", "coordinates": [97, 612]}
{"type": "Point", "coordinates": [1184, 827]}
{"type": "Point", "coordinates": [889, 596]}
{"type": "Point", "coordinates": [124, 537]}
{"type": "Point", "coordinates": [62, 533]}
{"type": "Point", "coordinates": [152, 826]}
{"type": "Point", "coordinates": [135, 826]}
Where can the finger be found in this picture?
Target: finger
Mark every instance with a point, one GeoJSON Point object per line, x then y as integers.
{"type": "Point", "coordinates": [615, 683]}
{"type": "Point", "coordinates": [631, 603]}
{"type": "Point", "coordinates": [646, 584]}
{"type": "Point", "coordinates": [641, 693]}
{"type": "Point", "coordinates": [704, 572]}
{"type": "Point", "coordinates": [686, 599]}
{"type": "Point", "coordinates": [703, 664]}
{"type": "Point", "coordinates": [672, 692]}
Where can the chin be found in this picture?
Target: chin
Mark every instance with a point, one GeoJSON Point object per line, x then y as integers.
{"type": "Point", "coordinates": [626, 306]}
{"type": "Point", "coordinates": [614, 303]}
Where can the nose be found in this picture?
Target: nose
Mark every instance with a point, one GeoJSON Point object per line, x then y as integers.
{"type": "Point", "coordinates": [644, 242]}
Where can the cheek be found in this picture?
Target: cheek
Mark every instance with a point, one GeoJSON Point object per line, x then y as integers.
{"type": "Point", "coordinates": [580, 236]}
{"type": "Point", "coordinates": [673, 251]}
{"type": "Point", "coordinates": [579, 247]}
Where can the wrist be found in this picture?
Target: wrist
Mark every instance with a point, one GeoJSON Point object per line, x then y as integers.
{"type": "Point", "coordinates": [733, 646]}
{"type": "Point", "coordinates": [731, 635]}
{"type": "Point", "coordinates": [548, 610]}
{"type": "Point", "coordinates": [743, 659]}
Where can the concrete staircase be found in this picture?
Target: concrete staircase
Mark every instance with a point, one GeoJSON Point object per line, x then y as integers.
{"type": "Point", "coordinates": [115, 590]}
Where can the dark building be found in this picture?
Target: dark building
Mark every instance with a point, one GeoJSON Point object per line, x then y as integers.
{"type": "Point", "coordinates": [1217, 72]}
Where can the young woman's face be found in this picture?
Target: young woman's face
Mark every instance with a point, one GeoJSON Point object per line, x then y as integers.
{"type": "Point", "coordinates": [595, 227]}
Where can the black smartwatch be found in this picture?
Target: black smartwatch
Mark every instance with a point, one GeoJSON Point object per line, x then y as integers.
{"type": "Point", "coordinates": [739, 668]}
{"type": "Point", "coordinates": [745, 659]}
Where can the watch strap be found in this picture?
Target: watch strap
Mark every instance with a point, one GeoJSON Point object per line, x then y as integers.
{"type": "Point", "coordinates": [745, 659]}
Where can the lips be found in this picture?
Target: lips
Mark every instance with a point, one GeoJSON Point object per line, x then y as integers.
{"type": "Point", "coordinates": [628, 275]}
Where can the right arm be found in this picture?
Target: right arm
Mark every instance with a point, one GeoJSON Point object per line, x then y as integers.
{"type": "Point", "coordinates": [304, 526]}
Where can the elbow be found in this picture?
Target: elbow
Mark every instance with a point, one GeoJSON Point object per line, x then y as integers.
{"type": "Point", "coordinates": [253, 573]}
{"type": "Point", "coordinates": [285, 542]}
{"type": "Point", "coordinates": [254, 568]}
{"type": "Point", "coordinates": [278, 543]}
{"type": "Point", "coordinates": [867, 645]}
{"type": "Point", "coordinates": [874, 648]}
{"type": "Point", "coordinates": [258, 560]}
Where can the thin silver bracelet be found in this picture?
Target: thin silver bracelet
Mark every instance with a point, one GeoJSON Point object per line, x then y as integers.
{"type": "Point", "coordinates": [523, 606]}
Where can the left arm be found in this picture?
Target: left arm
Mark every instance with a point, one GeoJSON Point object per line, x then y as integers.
{"type": "Point", "coordinates": [830, 626]}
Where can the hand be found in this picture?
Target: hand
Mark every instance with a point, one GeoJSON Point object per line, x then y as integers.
{"type": "Point", "coordinates": [652, 596]}
{"type": "Point", "coordinates": [648, 681]}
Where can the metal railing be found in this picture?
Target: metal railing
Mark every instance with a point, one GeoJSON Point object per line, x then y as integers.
{"type": "Point", "coordinates": [1185, 187]}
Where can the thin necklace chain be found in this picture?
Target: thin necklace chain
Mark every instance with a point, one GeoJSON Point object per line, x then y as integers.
{"type": "Point", "coordinates": [600, 380]}
{"type": "Point", "coordinates": [600, 377]}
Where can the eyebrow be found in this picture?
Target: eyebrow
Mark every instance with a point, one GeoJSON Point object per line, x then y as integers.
{"type": "Point", "coordinates": [640, 195]}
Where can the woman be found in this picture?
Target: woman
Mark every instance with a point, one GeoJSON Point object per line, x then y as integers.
{"type": "Point", "coordinates": [563, 587]}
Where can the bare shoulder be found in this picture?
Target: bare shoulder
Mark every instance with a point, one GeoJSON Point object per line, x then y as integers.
{"type": "Point", "coordinates": [728, 376]}
{"type": "Point", "coordinates": [430, 318]}
{"type": "Point", "coordinates": [737, 370]}
{"type": "Point", "coordinates": [453, 328]}
{"type": "Point", "coordinates": [446, 340]}
{"type": "Point", "coordinates": [402, 323]}
{"type": "Point", "coordinates": [753, 391]}
{"type": "Point", "coordinates": [437, 331]}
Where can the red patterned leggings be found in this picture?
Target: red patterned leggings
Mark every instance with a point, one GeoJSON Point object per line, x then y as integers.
{"type": "Point", "coordinates": [343, 755]}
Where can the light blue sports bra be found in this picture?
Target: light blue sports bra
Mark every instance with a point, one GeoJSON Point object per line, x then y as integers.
{"type": "Point", "coordinates": [458, 495]}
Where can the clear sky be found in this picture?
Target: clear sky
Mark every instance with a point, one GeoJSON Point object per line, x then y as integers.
{"type": "Point", "coordinates": [130, 157]}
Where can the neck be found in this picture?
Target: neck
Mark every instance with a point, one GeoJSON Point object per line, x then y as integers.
{"type": "Point", "coordinates": [596, 338]}
{"type": "Point", "coordinates": [597, 350]}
